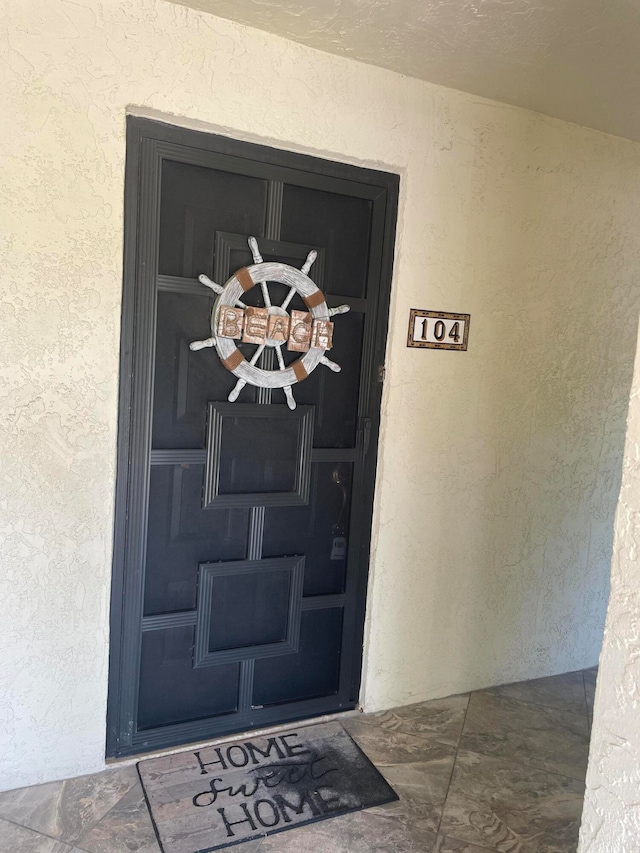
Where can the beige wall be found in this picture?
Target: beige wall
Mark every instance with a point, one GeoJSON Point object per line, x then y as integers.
{"type": "Point", "coordinates": [611, 818]}
{"type": "Point", "coordinates": [499, 468]}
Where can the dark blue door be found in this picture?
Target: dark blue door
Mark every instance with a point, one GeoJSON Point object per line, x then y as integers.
{"type": "Point", "coordinates": [242, 528]}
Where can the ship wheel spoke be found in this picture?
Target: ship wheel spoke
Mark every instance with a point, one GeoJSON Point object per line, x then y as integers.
{"type": "Point", "coordinates": [233, 396]}
{"type": "Point", "coordinates": [217, 288]}
{"type": "Point", "coordinates": [257, 259]}
{"type": "Point", "coordinates": [305, 269]}
{"type": "Point", "coordinates": [288, 392]}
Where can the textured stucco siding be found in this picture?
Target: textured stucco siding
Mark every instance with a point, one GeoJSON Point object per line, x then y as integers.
{"type": "Point", "coordinates": [611, 818]}
{"type": "Point", "coordinates": [499, 468]}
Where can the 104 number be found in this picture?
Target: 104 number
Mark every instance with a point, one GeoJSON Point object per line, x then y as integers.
{"type": "Point", "coordinates": [440, 330]}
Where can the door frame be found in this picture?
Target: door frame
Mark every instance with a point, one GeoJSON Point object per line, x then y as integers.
{"type": "Point", "coordinates": [148, 143]}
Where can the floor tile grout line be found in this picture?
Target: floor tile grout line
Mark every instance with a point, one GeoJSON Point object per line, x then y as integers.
{"type": "Point", "coordinates": [494, 692]}
{"type": "Point", "coordinates": [61, 839]}
{"type": "Point", "coordinates": [452, 833]}
{"type": "Point", "coordinates": [428, 734]}
{"type": "Point", "coordinates": [92, 826]}
{"type": "Point", "coordinates": [521, 765]}
{"type": "Point", "coordinates": [37, 832]}
{"type": "Point", "coordinates": [453, 766]}
{"type": "Point", "coordinates": [509, 761]}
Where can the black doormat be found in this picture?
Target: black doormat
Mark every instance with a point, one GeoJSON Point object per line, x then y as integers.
{"type": "Point", "coordinates": [218, 796]}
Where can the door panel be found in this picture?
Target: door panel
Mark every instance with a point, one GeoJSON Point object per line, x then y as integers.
{"type": "Point", "coordinates": [265, 594]}
{"type": "Point", "coordinates": [172, 691]}
{"type": "Point", "coordinates": [338, 223]}
{"type": "Point", "coordinates": [184, 384]}
{"type": "Point", "coordinates": [242, 529]}
{"type": "Point", "coordinates": [312, 529]}
{"type": "Point", "coordinates": [336, 403]}
{"type": "Point", "coordinates": [197, 202]}
{"type": "Point", "coordinates": [313, 671]}
{"type": "Point", "coordinates": [181, 535]}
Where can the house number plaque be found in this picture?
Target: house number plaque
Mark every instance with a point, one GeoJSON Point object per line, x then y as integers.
{"type": "Point", "coordinates": [438, 330]}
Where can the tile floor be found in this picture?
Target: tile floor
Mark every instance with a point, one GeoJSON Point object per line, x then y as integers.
{"type": "Point", "coordinates": [500, 769]}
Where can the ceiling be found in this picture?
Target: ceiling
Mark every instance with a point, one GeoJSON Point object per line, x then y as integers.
{"type": "Point", "coordinates": [578, 60]}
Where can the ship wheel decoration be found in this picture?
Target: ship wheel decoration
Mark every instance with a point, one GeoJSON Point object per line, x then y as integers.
{"type": "Point", "coordinates": [309, 333]}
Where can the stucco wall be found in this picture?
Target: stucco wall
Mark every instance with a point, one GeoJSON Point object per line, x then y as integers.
{"type": "Point", "coordinates": [611, 817]}
{"type": "Point", "coordinates": [499, 468]}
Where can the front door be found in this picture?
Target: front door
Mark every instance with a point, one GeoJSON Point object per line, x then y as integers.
{"type": "Point", "coordinates": [242, 528]}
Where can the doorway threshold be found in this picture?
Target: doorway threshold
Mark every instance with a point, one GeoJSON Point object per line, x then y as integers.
{"type": "Point", "coordinates": [263, 732]}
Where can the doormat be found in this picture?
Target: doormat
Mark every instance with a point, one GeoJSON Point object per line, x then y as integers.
{"type": "Point", "coordinates": [219, 796]}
